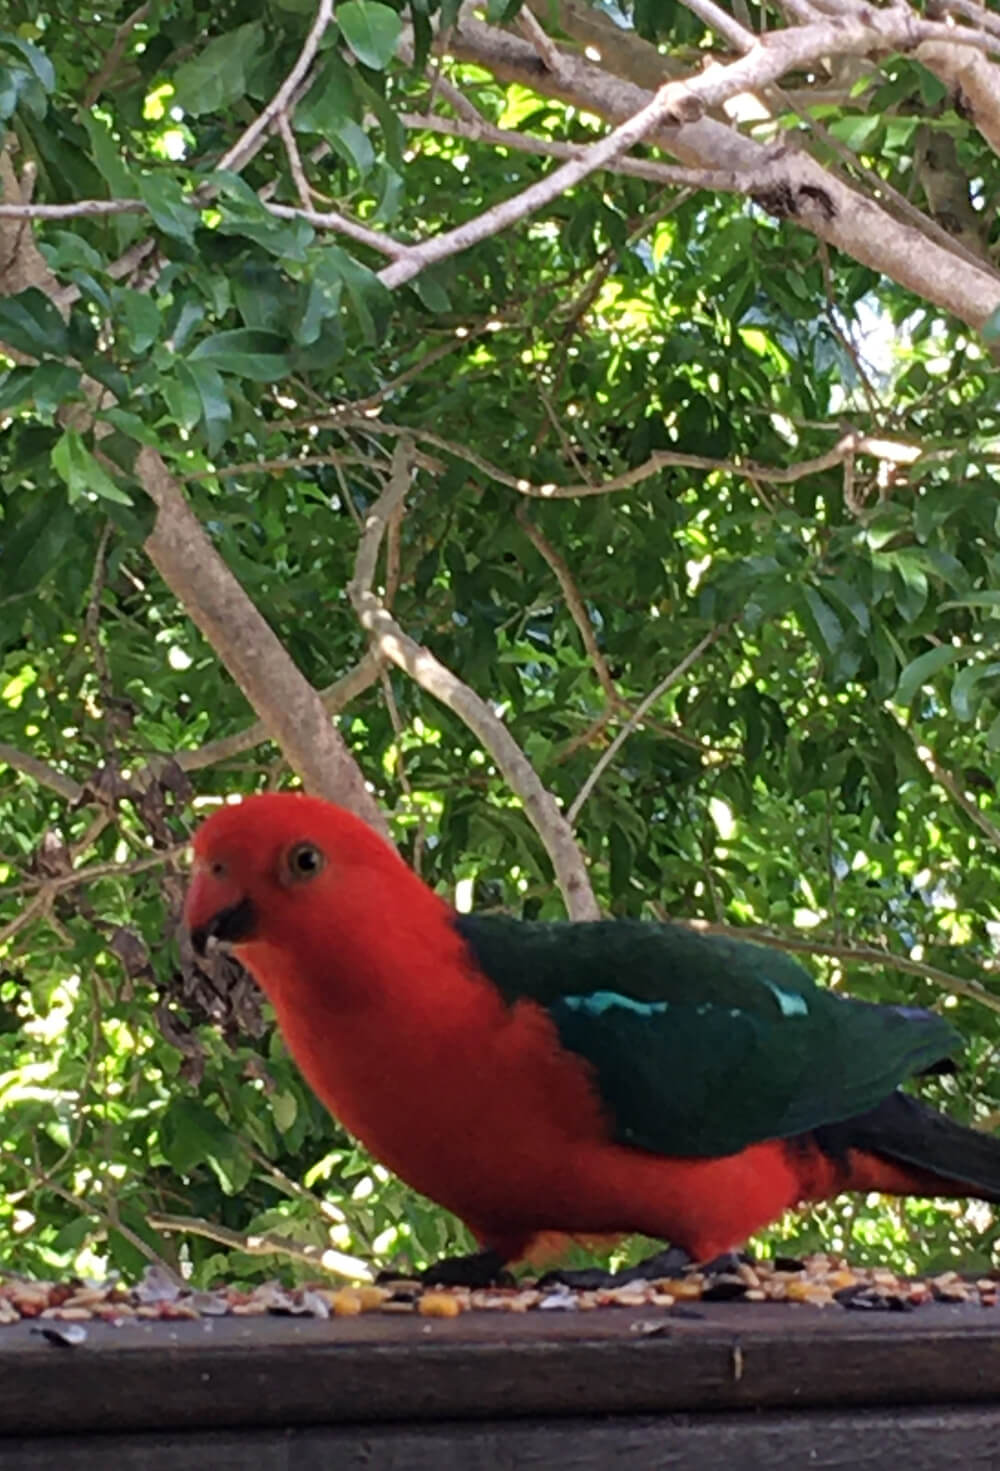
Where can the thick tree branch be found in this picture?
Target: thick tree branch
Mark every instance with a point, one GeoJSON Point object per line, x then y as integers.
{"type": "Point", "coordinates": [289, 707]}
{"type": "Point", "coordinates": [976, 79]}
{"type": "Point", "coordinates": [421, 665]}
{"type": "Point", "coordinates": [40, 772]}
{"type": "Point", "coordinates": [800, 188]}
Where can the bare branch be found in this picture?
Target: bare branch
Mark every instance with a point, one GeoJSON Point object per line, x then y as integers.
{"type": "Point", "coordinates": [868, 955]}
{"type": "Point", "coordinates": [332, 219]}
{"type": "Point", "coordinates": [294, 160]}
{"type": "Point", "coordinates": [40, 772]}
{"type": "Point", "coordinates": [540, 39]}
{"type": "Point", "coordinates": [977, 79]}
{"type": "Point", "coordinates": [246, 145]}
{"type": "Point", "coordinates": [720, 180]}
{"type": "Point", "coordinates": [800, 188]}
{"type": "Point", "coordinates": [335, 697]}
{"type": "Point", "coordinates": [212, 597]}
{"type": "Point", "coordinates": [949, 784]}
{"type": "Point", "coordinates": [268, 1243]}
{"type": "Point", "coordinates": [846, 447]}
{"type": "Point", "coordinates": [574, 603]}
{"type": "Point", "coordinates": [635, 719]}
{"type": "Point", "coordinates": [723, 24]}
{"type": "Point", "coordinates": [422, 666]}
{"type": "Point", "coordinates": [115, 53]}
{"type": "Point", "coordinates": [674, 104]}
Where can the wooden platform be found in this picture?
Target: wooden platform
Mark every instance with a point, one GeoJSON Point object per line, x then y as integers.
{"type": "Point", "coordinates": [770, 1385]}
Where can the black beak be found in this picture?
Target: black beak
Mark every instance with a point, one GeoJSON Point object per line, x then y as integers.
{"type": "Point", "coordinates": [231, 925]}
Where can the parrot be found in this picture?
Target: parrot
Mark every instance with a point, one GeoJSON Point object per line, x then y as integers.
{"type": "Point", "coordinates": [560, 1081]}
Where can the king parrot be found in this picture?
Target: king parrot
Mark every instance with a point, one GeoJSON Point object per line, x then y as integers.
{"type": "Point", "coordinates": [583, 1079]}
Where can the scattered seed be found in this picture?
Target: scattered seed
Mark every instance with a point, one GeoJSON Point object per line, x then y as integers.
{"type": "Point", "coordinates": [439, 1305]}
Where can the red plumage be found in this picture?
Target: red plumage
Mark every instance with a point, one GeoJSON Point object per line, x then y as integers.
{"type": "Point", "coordinates": [471, 1100]}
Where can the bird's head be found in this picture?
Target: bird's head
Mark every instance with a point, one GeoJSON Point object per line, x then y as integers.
{"type": "Point", "coordinates": [267, 869]}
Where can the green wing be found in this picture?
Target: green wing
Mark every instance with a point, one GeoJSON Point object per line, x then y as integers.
{"type": "Point", "coordinates": [702, 1045]}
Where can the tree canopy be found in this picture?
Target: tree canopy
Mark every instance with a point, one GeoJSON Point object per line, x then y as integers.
{"type": "Point", "coordinates": [593, 409]}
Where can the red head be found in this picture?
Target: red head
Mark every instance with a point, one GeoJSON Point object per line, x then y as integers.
{"type": "Point", "coordinates": [282, 875]}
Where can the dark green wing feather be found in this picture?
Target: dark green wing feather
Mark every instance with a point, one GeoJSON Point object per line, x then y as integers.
{"type": "Point", "coordinates": [702, 1045]}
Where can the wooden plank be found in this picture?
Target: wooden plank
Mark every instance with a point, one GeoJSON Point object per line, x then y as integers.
{"type": "Point", "coordinates": [382, 1369]}
{"type": "Point", "coordinates": [870, 1440]}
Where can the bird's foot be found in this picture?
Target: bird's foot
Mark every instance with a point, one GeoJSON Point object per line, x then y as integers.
{"type": "Point", "coordinates": [672, 1262]}
{"type": "Point", "coordinates": [478, 1269]}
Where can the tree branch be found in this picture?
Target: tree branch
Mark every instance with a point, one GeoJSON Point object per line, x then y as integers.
{"type": "Point", "coordinates": [267, 1243]}
{"type": "Point", "coordinates": [850, 954]}
{"type": "Point", "coordinates": [977, 80]}
{"type": "Point", "coordinates": [247, 144]}
{"type": "Point", "coordinates": [421, 665]}
{"type": "Point", "coordinates": [335, 697]}
{"type": "Point", "coordinates": [800, 189]}
{"type": "Point", "coordinates": [40, 772]}
{"type": "Point", "coordinates": [292, 711]}
{"type": "Point", "coordinates": [635, 719]}
{"type": "Point", "coordinates": [574, 603]}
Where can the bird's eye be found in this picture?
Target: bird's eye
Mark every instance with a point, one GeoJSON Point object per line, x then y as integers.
{"type": "Point", "coordinates": [218, 869]}
{"type": "Point", "coordinates": [304, 861]}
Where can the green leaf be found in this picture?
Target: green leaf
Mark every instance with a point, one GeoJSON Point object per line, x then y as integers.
{"type": "Point", "coordinates": [285, 1108]}
{"type": "Point", "coordinates": [106, 153]}
{"type": "Point", "coordinates": [353, 143]}
{"type": "Point", "coordinates": [191, 1135]}
{"type": "Point", "coordinates": [216, 412]}
{"type": "Point", "coordinates": [16, 387]}
{"type": "Point", "coordinates": [245, 351]}
{"type": "Point", "coordinates": [830, 629]}
{"type": "Point", "coordinates": [242, 213]}
{"type": "Point", "coordinates": [30, 323]}
{"type": "Point", "coordinates": [140, 315]}
{"type": "Point", "coordinates": [430, 291]}
{"type": "Point", "coordinates": [36, 59]}
{"type": "Point", "coordinates": [330, 99]}
{"type": "Point", "coordinates": [183, 397]}
{"type": "Point", "coordinates": [217, 77]}
{"type": "Point", "coordinates": [989, 599]}
{"type": "Point", "coordinates": [73, 461]}
{"type": "Point", "coordinates": [921, 671]}
{"type": "Point", "coordinates": [964, 690]}
{"type": "Point", "coordinates": [369, 298]}
{"type": "Point", "coordinates": [53, 383]}
{"type": "Point", "coordinates": [991, 327]}
{"type": "Point", "coordinates": [171, 211]}
{"type": "Point", "coordinates": [371, 31]}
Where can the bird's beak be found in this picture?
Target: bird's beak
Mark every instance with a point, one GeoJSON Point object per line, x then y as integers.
{"type": "Point", "coordinates": [215, 910]}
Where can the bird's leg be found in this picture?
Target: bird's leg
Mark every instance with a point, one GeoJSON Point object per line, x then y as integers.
{"type": "Point", "coordinates": [673, 1261]}
{"type": "Point", "coordinates": [478, 1269]}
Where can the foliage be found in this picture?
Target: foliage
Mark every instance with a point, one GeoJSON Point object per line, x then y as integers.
{"type": "Point", "coordinates": [827, 768]}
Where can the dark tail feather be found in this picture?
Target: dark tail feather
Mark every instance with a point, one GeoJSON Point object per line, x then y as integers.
{"type": "Point", "coordinates": [946, 1158]}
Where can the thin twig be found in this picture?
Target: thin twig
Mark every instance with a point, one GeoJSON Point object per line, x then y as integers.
{"type": "Point", "coordinates": [851, 954]}
{"type": "Point", "coordinates": [115, 52]}
{"type": "Point", "coordinates": [635, 720]}
{"type": "Point", "coordinates": [574, 602]}
{"type": "Point", "coordinates": [439, 681]}
{"type": "Point", "coordinates": [245, 146]}
{"type": "Point", "coordinates": [267, 1243]}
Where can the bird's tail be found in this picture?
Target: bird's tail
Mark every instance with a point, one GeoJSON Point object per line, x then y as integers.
{"type": "Point", "coordinates": [902, 1147]}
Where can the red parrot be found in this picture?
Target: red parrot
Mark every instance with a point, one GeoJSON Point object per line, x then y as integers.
{"type": "Point", "coordinates": [587, 1079]}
